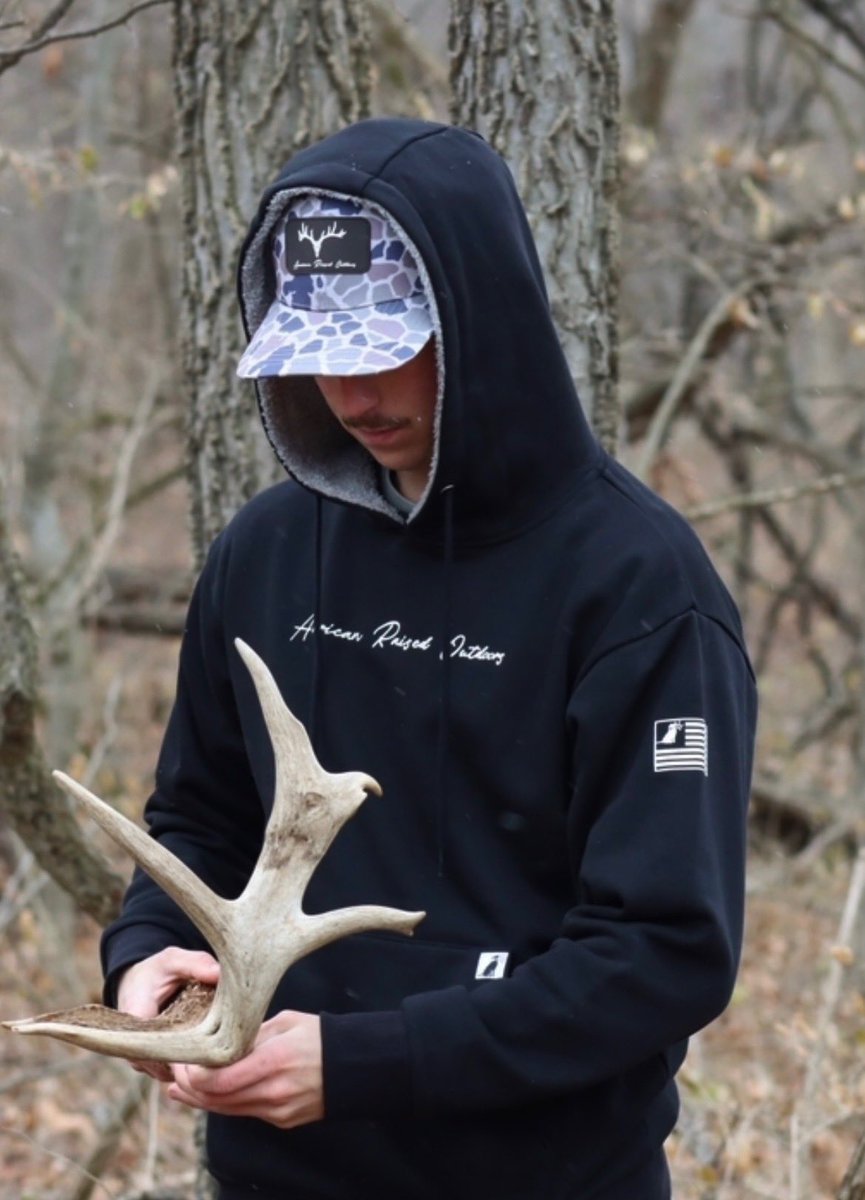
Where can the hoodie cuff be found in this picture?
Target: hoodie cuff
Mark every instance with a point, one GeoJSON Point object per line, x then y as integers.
{"type": "Point", "coordinates": [109, 988]}
{"type": "Point", "coordinates": [367, 1072]}
{"type": "Point", "coordinates": [115, 974]}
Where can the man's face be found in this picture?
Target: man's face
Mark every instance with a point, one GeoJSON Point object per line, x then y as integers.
{"type": "Point", "coordinates": [391, 414]}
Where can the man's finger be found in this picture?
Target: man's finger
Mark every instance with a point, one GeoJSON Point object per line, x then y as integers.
{"type": "Point", "coordinates": [222, 1081]}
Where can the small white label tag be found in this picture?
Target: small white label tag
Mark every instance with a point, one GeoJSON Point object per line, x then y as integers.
{"type": "Point", "coordinates": [492, 964]}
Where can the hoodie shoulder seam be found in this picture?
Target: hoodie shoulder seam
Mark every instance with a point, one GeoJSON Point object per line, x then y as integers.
{"type": "Point", "coordinates": [691, 610]}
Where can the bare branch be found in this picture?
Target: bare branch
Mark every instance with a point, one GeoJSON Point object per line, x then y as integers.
{"type": "Point", "coordinates": [149, 620]}
{"type": "Point", "coordinates": [110, 1134]}
{"type": "Point", "coordinates": [824, 594]}
{"type": "Point", "coordinates": [13, 1083]}
{"type": "Point", "coordinates": [716, 317]}
{"type": "Point", "coordinates": [135, 497]}
{"type": "Point", "coordinates": [8, 58]}
{"type": "Point", "coordinates": [141, 602]}
{"type": "Point", "coordinates": [162, 1193]}
{"type": "Point", "coordinates": [51, 18]}
{"type": "Point", "coordinates": [838, 21]}
{"type": "Point", "coordinates": [21, 889]}
{"type": "Point", "coordinates": [423, 67]}
{"type": "Point", "coordinates": [70, 1162]}
{"type": "Point", "coordinates": [784, 22]}
{"type": "Point", "coordinates": [853, 1184]}
{"type": "Point", "coordinates": [781, 495]}
{"type": "Point", "coordinates": [787, 814]}
{"type": "Point", "coordinates": [73, 596]}
{"type": "Point", "coordinates": [803, 1114]}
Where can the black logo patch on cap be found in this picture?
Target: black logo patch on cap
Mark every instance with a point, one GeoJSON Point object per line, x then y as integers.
{"type": "Point", "coordinates": [328, 246]}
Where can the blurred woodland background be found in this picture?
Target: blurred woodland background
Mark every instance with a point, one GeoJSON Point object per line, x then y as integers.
{"type": "Point", "coordinates": [695, 173]}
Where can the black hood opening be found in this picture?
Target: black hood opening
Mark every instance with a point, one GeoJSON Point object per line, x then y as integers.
{"type": "Point", "coordinates": [305, 436]}
{"type": "Point", "coordinates": [511, 438]}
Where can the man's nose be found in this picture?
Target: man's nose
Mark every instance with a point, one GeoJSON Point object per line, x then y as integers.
{"type": "Point", "coordinates": [359, 393]}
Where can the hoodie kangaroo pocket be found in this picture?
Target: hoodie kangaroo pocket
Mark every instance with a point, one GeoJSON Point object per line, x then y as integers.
{"type": "Point", "coordinates": [374, 972]}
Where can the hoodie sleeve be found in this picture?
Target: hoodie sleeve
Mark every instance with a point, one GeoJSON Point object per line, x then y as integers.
{"type": "Point", "coordinates": [662, 735]}
{"type": "Point", "coordinates": [205, 806]}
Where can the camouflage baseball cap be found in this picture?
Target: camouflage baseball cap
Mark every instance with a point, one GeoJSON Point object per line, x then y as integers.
{"type": "Point", "coordinates": [349, 296]}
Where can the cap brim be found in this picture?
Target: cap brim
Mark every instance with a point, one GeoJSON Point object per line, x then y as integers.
{"type": "Point", "coordinates": [294, 341]}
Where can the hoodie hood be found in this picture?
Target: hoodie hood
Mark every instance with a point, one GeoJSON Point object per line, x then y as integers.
{"type": "Point", "coordinates": [511, 440]}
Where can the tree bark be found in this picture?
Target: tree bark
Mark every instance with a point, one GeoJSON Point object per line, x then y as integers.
{"type": "Point", "coordinates": [253, 84]}
{"type": "Point", "coordinates": [540, 81]}
{"type": "Point", "coordinates": [28, 797]}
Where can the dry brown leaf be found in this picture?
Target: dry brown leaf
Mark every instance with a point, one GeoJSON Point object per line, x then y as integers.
{"type": "Point", "coordinates": [844, 955]}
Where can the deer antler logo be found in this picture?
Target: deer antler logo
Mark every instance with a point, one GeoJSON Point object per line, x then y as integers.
{"type": "Point", "coordinates": [305, 234]}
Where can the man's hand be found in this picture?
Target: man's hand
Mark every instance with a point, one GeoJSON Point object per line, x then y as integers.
{"type": "Point", "coordinates": [280, 1080]}
{"type": "Point", "coordinates": [145, 986]}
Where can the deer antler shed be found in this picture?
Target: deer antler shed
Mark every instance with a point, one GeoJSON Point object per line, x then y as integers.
{"type": "Point", "coordinates": [257, 936]}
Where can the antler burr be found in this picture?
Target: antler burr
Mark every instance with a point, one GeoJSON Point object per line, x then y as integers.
{"type": "Point", "coordinates": [257, 936]}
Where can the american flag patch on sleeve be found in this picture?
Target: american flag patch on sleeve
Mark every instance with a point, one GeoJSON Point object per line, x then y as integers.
{"type": "Point", "coordinates": [682, 744]}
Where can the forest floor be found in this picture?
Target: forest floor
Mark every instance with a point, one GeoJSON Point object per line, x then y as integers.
{"type": "Point", "coordinates": [748, 1131]}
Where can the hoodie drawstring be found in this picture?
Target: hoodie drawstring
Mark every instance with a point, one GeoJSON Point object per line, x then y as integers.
{"type": "Point", "coordinates": [447, 493]}
{"type": "Point", "coordinates": [441, 755]}
{"type": "Point", "coordinates": [316, 623]}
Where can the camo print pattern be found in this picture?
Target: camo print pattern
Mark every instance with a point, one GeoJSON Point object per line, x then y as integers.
{"type": "Point", "coordinates": [341, 324]}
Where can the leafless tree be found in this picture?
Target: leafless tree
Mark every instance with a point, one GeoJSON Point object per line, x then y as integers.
{"type": "Point", "coordinates": [251, 88]}
{"type": "Point", "coordinates": [540, 82]}
{"type": "Point", "coordinates": [28, 797]}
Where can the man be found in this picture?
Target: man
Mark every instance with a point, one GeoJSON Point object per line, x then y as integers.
{"type": "Point", "coordinates": [461, 594]}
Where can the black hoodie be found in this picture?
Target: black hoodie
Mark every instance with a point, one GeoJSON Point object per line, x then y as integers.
{"type": "Point", "coordinates": [564, 787]}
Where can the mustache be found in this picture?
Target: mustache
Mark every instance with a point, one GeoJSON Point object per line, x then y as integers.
{"type": "Point", "coordinates": [374, 423]}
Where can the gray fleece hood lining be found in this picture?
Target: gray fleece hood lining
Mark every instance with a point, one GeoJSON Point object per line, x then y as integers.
{"type": "Point", "coordinates": [306, 437]}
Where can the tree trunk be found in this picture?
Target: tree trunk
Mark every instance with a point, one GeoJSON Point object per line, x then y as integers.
{"type": "Point", "coordinates": [67, 402]}
{"type": "Point", "coordinates": [253, 84]}
{"type": "Point", "coordinates": [657, 51]}
{"type": "Point", "coordinates": [34, 806]}
{"type": "Point", "coordinates": [540, 81]}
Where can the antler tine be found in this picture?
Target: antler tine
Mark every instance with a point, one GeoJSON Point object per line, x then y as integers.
{"type": "Point", "coordinates": [310, 805]}
{"type": "Point", "coordinates": [361, 918]}
{"type": "Point", "coordinates": [291, 744]}
{"type": "Point", "coordinates": [92, 1027]}
{"type": "Point", "coordinates": [205, 909]}
{"type": "Point", "coordinates": [287, 734]}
